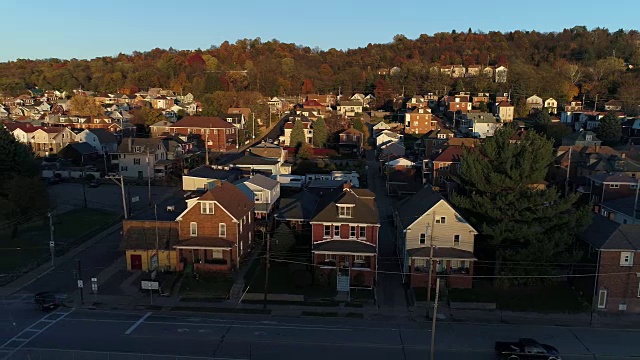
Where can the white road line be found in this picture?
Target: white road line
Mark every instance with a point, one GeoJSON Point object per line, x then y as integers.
{"type": "Point", "coordinates": [134, 326]}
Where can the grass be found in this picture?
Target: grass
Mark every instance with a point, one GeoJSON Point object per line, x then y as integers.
{"type": "Point", "coordinates": [32, 243]}
{"type": "Point", "coordinates": [206, 286]}
{"type": "Point", "coordinates": [555, 297]}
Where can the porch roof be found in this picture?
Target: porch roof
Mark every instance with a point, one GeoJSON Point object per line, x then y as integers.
{"type": "Point", "coordinates": [441, 253]}
{"type": "Point", "coordinates": [344, 246]}
{"type": "Point", "coordinates": [205, 242]}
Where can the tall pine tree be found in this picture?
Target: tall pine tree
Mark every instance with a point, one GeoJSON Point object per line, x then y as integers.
{"type": "Point", "coordinates": [320, 133]}
{"type": "Point", "coordinates": [297, 137]}
{"type": "Point", "coordinates": [522, 221]}
{"type": "Point", "coordinates": [23, 195]}
{"type": "Point", "coordinates": [610, 129]}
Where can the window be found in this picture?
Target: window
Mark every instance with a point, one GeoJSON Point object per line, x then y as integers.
{"type": "Point", "coordinates": [330, 257]}
{"type": "Point", "coordinates": [352, 231]}
{"type": "Point", "coordinates": [123, 168]}
{"type": "Point", "coordinates": [626, 258]}
{"type": "Point", "coordinates": [363, 232]}
{"type": "Point", "coordinates": [258, 197]}
{"type": "Point", "coordinates": [216, 254]}
{"type": "Point", "coordinates": [634, 186]}
{"type": "Point", "coordinates": [206, 207]}
{"type": "Point", "coordinates": [222, 230]}
{"type": "Point", "coordinates": [344, 211]}
{"type": "Point", "coordinates": [455, 264]}
{"type": "Point", "coordinates": [423, 238]}
{"type": "Point", "coordinates": [614, 186]}
{"type": "Point", "coordinates": [359, 258]}
{"type": "Point", "coordinates": [456, 240]}
{"type": "Point", "coordinates": [602, 299]}
{"type": "Point", "coordinates": [441, 220]}
{"type": "Point", "coordinates": [336, 231]}
{"type": "Point", "coordinates": [193, 229]}
{"type": "Point", "coordinates": [327, 231]}
{"type": "Point", "coordinates": [420, 264]}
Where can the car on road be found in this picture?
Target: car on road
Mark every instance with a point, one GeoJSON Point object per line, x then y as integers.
{"type": "Point", "coordinates": [46, 301]}
{"type": "Point", "coordinates": [526, 349]}
{"type": "Point", "coordinates": [94, 184]}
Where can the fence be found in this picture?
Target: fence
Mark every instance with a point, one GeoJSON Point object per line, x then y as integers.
{"type": "Point", "coordinates": [55, 354]}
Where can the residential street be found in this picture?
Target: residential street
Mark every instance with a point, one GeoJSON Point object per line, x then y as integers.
{"type": "Point", "coordinates": [91, 334]}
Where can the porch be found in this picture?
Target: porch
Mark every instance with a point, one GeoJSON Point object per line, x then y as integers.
{"type": "Point", "coordinates": [455, 266]}
{"type": "Point", "coordinates": [361, 267]}
{"type": "Point", "coordinates": [198, 256]}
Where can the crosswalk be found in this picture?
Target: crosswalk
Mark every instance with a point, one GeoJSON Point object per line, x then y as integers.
{"type": "Point", "coordinates": [21, 339]}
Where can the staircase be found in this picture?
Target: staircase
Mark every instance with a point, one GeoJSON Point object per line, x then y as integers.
{"type": "Point", "coordinates": [236, 292]}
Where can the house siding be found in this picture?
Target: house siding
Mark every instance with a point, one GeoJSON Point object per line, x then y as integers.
{"type": "Point", "coordinates": [621, 288]}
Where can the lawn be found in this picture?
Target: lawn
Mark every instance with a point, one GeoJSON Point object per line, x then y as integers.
{"type": "Point", "coordinates": [206, 286]}
{"type": "Point", "coordinates": [554, 297]}
{"type": "Point", "coordinates": [31, 246]}
{"type": "Point", "coordinates": [285, 278]}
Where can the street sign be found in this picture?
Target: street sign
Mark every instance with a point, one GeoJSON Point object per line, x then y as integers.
{"type": "Point", "coordinates": [150, 285]}
{"type": "Point", "coordinates": [80, 284]}
{"type": "Point", "coordinates": [52, 244]}
{"type": "Point", "coordinates": [154, 262]}
{"type": "Point", "coordinates": [153, 274]}
{"type": "Point", "coordinates": [135, 199]}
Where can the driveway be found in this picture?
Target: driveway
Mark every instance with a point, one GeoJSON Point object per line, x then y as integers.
{"type": "Point", "coordinates": [389, 291]}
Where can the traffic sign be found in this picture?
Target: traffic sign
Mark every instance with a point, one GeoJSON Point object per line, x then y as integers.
{"type": "Point", "coordinates": [149, 285]}
{"type": "Point", "coordinates": [52, 244]}
{"type": "Point", "coordinates": [135, 199]}
{"type": "Point", "coordinates": [80, 284]}
{"type": "Point", "coordinates": [154, 262]}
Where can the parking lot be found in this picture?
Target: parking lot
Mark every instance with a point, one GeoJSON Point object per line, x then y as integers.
{"type": "Point", "coordinates": [107, 196]}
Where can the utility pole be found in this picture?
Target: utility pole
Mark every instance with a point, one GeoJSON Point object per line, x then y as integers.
{"type": "Point", "coordinates": [266, 271]}
{"type": "Point", "coordinates": [84, 189]}
{"type": "Point", "coordinates": [566, 182]}
{"type": "Point", "coordinates": [206, 147]}
{"type": "Point", "coordinates": [81, 285]}
{"type": "Point", "coordinates": [635, 203]}
{"type": "Point", "coordinates": [254, 126]}
{"type": "Point", "coordinates": [149, 176]}
{"type": "Point", "coordinates": [433, 321]}
{"type": "Point", "coordinates": [124, 198]}
{"type": "Point", "coordinates": [595, 104]}
{"type": "Point", "coordinates": [52, 244]}
{"type": "Point", "coordinates": [430, 231]}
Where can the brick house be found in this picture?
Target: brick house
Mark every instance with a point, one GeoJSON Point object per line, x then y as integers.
{"type": "Point", "coordinates": [350, 141]}
{"type": "Point", "coordinates": [615, 248]}
{"type": "Point", "coordinates": [439, 169]}
{"type": "Point", "coordinates": [345, 234]}
{"type": "Point", "coordinates": [427, 217]}
{"type": "Point", "coordinates": [606, 187]}
{"type": "Point", "coordinates": [218, 134]}
{"type": "Point", "coordinates": [419, 121]}
{"type": "Point", "coordinates": [457, 103]}
{"type": "Point", "coordinates": [216, 230]}
{"type": "Point", "coordinates": [435, 140]}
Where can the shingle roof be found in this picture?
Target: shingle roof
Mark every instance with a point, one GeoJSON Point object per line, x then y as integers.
{"type": "Point", "coordinates": [412, 208]}
{"type": "Point", "coordinates": [607, 234]}
{"type": "Point", "coordinates": [207, 122]}
{"type": "Point", "coordinates": [301, 206]}
{"type": "Point", "coordinates": [441, 253]}
{"type": "Point", "coordinates": [262, 181]}
{"type": "Point", "coordinates": [127, 145]}
{"type": "Point", "coordinates": [364, 211]}
{"type": "Point", "coordinates": [207, 172]}
{"type": "Point", "coordinates": [144, 237]}
{"type": "Point", "coordinates": [82, 148]}
{"type": "Point", "coordinates": [344, 246]}
{"type": "Point", "coordinates": [230, 198]}
{"type": "Point", "coordinates": [104, 136]}
{"type": "Point", "coordinates": [614, 178]}
{"type": "Point", "coordinates": [623, 205]}
{"type": "Point", "coordinates": [267, 150]}
{"type": "Point", "coordinates": [581, 136]}
{"type": "Point", "coordinates": [451, 154]}
{"type": "Point", "coordinates": [249, 159]}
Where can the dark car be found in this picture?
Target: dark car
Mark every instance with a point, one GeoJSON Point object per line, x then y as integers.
{"type": "Point", "coordinates": [46, 301]}
{"type": "Point", "coordinates": [526, 349]}
{"type": "Point", "coordinates": [94, 184]}
{"type": "Point", "coordinates": [53, 181]}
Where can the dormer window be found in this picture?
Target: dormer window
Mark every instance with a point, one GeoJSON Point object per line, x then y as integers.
{"type": "Point", "coordinates": [345, 211]}
{"type": "Point", "coordinates": [137, 148]}
{"type": "Point", "coordinates": [206, 207]}
{"type": "Point", "coordinates": [589, 137]}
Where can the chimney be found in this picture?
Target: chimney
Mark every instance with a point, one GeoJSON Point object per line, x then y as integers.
{"type": "Point", "coordinates": [623, 155]}
{"type": "Point", "coordinates": [346, 186]}
{"type": "Point", "coordinates": [130, 141]}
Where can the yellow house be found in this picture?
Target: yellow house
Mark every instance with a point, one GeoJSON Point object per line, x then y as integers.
{"type": "Point", "coordinates": [143, 239]}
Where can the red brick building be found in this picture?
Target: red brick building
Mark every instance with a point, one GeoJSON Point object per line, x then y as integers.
{"type": "Point", "coordinates": [615, 249]}
{"type": "Point", "coordinates": [218, 134]}
{"type": "Point", "coordinates": [419, 121]}
{"type": "Point", "coordinates": [216, 230]}
{"type": "Point", "coordinates": [345, 235]}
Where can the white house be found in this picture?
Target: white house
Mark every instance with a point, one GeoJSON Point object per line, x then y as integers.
{"type": "Point", "coordinates": [501, 74]}
{"type": "Point", "coordinates": [534, 102]}
{"type": "Point", "coordinates": [141, 158]}
{"type": "Point", "coordinates": [350, 107]}
{"type": "Point", "coordinates": [552, 105]}
{"type": "Point", "coordinates": [480, 125]}
{"type": "Point", "coordinates": [263, 191]}
{"type": "Point", "coordinates": [103, 140]}
{"type": "Point", "coordinates": [386, 136]}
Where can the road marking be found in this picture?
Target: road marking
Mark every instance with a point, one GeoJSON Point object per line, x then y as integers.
{"type": "Point", "coordinates": [134, 326]}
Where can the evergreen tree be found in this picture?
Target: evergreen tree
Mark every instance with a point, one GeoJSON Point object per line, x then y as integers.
{"type": "Point", "coordinates": [23, 195]}
{"type": "Point", "coordinates": [283, 240]}
{"type": "Point", "coordinates": [521, 222]}
{"type": "Point", "coordinates": [610, 130]}
{"type": "Point", "coordinates": [305, 152]}
{"type": "Point", "coordinates": [357, 124]}
{"type": "Point", "coordinates": [297, 134]}
{"type": "Point", "coordinates": [320, 133]}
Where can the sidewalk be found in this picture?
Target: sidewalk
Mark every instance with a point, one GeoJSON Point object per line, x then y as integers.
{"type": "Point", "coordinates": [44, 269]}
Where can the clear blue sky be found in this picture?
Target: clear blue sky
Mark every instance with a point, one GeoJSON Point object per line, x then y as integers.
{"type": "Point", "coordinates": [90, 28]}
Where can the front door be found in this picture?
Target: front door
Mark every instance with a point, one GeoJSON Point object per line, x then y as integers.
{"type": "Point", "coordinates": [140, 175]}
{"type": "Point", "coordinates": [136, 262]}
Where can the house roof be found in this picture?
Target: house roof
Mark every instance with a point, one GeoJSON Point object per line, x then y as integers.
{"type": "Point", "coordinates": [150, 144]}
{"type": "Point", "coordinates": [364, 210]}
{"type": "Point", "coordinates": [26, 127]}
{"type": "Point", "coordinates": [267, 150]}
{"type": "Point", "coordinates": [350, 103]}
{"type": "Point", "coordinates": [205, 242]}
{"type": "Point", "coordinates": [613, 178]}
{"type": "Point", "coordinates": [262, 182]}
{"type": "Point", "coordinates": [207, 172]}
{"type": "Point", "coordinates": [623, 205]}
{"type": "Point", "coordinates": [230, 198]}
{"type": "Point", "coordinates": [244, 111]}
{"type": "Point", "coordinates": [487, 118]}
{"type": "Point", "coordinates": [466, 142]}
{"type": "Point", "coordinates": [412, 208]}
{"type": "Point", "coordinates": [235, 118]}
{"type": "Point", "coordinates": [518, 135]}
{"type": "Point", "coordinates": [302, 206]}
{"type": "Point", "coordinates": [344, 246]}
{"type": "Point", "coordinates": [82, 148]}
{"type": "Point", "coordinates": [504, 103]}
{"type": "Point", "coordinates": [605, 234]}
{"type": "Point", "coordinates": [104, 136]}
{"type": "Point", "coordinates": [249, 159]}
{"type": "Point", "coordinates": [314, 103]}
{"type": "Point", "coordinates": [205, 122]}
{"type": "Point", "coordinates": [581, 136]}
{"type": "Point", "coordinates": [450, 154]}
{"type": "Point", "coordinates": [351, 131]}
{"type": "Point", "coordinates": [441, 253]}
{"type": "Point", "coordinates": [144, 237]}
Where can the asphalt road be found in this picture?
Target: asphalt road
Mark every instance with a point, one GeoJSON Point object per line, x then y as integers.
{"type": "Point", "coordinates": [87, 334]}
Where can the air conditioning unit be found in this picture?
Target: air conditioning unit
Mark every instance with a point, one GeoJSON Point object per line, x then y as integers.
{"type": "Point", "coordinates": [622, 307]}
{"type": "Point", "coordinates": [170, 208]}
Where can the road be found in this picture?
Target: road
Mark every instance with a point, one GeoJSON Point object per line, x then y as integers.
{"type": "Point", "coordinates": [92, 335]}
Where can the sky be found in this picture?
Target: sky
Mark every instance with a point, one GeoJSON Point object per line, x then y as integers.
{"type": "Point", "coordinates": [85, 29]}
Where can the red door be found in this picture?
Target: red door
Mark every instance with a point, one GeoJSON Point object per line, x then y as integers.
{"type": "Point", "coordinates": [136, 262]}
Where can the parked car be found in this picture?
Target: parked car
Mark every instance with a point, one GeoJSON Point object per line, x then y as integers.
{"type": "Point", "coordinates": [53, 181]}
{"type": "Point", "coordinates": [526, 349]}
{"type": "Point", "coordinates": [94, 184]}
{"type": "Point", "coordinates": [46, 301]}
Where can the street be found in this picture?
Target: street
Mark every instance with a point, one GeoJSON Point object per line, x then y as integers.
{"type": "Point", "coordinates": [93, 334]}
